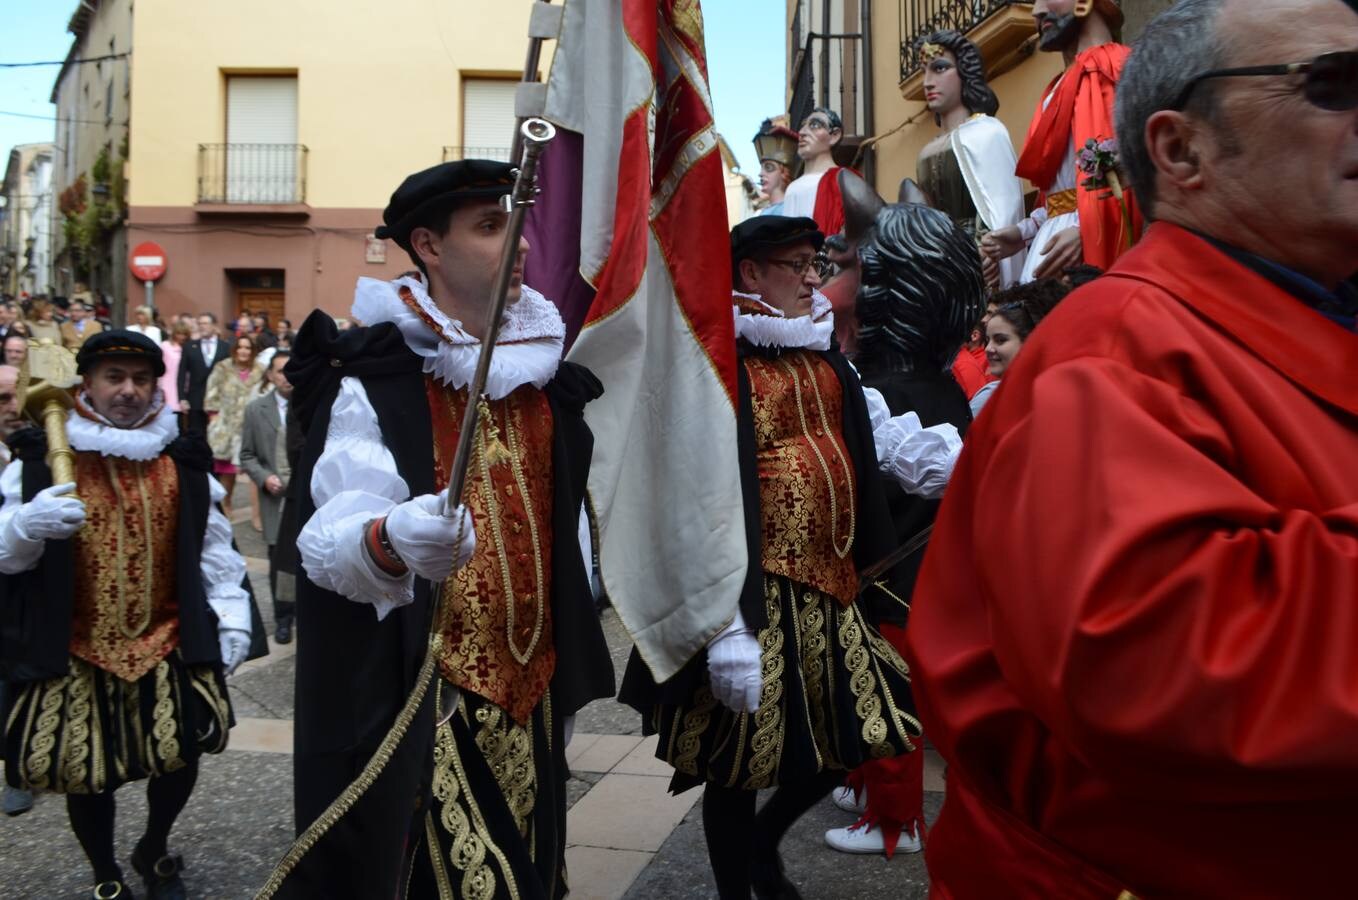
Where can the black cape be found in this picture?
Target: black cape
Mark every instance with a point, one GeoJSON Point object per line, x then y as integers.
{"type": "Point", "coordinates": [35, 616]}
{"type": "Point", "coordinates": [874, 535]}
{"type": "Point", "coordinates": [354, 674]}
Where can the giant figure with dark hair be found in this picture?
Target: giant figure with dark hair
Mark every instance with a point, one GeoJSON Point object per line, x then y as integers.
{"type": "Point", "coordinates": [968, 170]}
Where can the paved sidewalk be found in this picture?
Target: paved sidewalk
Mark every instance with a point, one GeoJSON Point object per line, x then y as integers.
{"type": "Point", "coordinates": [627, 836]}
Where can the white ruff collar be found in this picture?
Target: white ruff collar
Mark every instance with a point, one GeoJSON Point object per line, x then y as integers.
{"type": "Point", "coordinates": [772, 329]}
{"type": "Point", "coordinates": [532, 335]}
{"type": "Point", "coordinates": [141, 443]}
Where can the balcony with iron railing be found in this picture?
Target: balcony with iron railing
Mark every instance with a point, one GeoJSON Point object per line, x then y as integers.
{"type": "Point", "coordinates": [499, 154]}
{"type": "Point", "coordinates": [1001, 29]}
{"type": "Point", "coordinates": [240, 178]}
{"type": "Point", "coordinates": [829, 73]}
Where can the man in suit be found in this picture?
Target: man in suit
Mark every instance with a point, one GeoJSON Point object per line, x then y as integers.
{"type": "Point", "coordinates": [195, 366]}
{"type": "Point", "coordinates": [79, 327]}
{"type": "Point", "coordinates": [263, 455]}
{"type": "Point", "coordinates": [8, 313]}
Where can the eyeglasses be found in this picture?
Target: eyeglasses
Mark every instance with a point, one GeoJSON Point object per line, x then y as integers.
{"type": "Point", "coordinates": [817, 124]}
{"type": "Point", "coordinates": [799, 266]}
{"type": "Point", "coordinates": [1331, 80]}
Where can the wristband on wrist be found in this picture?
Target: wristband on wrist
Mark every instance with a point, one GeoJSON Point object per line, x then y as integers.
{"type": "Point", "coordinates": [378, 546]}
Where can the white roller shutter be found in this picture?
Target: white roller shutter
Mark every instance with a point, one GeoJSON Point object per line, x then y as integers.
{"type": "Point", "coordinates": [261, 134]}
{"type": "Point", "coordinates": [487, 117]}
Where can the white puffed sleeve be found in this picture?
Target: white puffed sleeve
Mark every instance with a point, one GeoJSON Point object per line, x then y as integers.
{"type": "Point", "coordinates": [16, 554]}
{"type": "Point", "coordinates": [920, 459]}
{"type": "Point", "coordinates": [223, 568]}
{"type": "Point", "coordinates": [355, 480]}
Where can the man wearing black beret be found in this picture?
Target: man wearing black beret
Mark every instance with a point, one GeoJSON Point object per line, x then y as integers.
{"type": "Point", "coordinates": [800, 675]}
{"type": "Point", "coordinates": [476, 804]}
{"type": "Point", "coordinates": [125, 611]}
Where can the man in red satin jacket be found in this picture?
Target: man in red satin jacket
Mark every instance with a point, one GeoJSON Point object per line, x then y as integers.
{"type": "Point", "coordinates": [1135, 638]}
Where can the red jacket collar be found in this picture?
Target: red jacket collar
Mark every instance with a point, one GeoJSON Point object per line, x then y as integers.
{"type": "Point", "coordinates": [1300, 343]}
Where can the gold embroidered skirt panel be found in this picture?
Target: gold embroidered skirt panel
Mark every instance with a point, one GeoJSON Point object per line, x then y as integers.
{"type": "Point", "coordinates": [497, 824]}
{"type": "Point", "coordinates": [835, 695]}
{"type": "Point", "coordinates": [89, 731]}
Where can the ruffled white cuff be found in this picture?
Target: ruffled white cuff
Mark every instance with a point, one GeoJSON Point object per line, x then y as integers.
{"type": "Point", "coordinates": [223, 568]}
{"type": "Point", "coordinates": [331, 550]}
{"type": "Point", "coordinates": [920, 459]}
{"type": "Point", "coordinates": [1030, 226]}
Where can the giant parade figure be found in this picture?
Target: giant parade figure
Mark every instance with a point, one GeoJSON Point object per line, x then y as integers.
{"type": "Point", "coordinates": [1071, 225]}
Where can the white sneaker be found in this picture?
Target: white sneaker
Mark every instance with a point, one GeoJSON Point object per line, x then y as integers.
{"type": "Point", "coordinates": [864, 838]}
{"type": "Point", "coordinates": [845, 800]}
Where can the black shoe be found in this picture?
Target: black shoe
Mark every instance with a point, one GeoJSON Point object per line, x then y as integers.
{"type": "Point", "coordinates": [161, 877]}
{"type": "Point", "coordinates": [767, 878]}
{"type": "Point", "coordinates": [112, 890]}
{"type": "Point", "coordinates": [283, 633]}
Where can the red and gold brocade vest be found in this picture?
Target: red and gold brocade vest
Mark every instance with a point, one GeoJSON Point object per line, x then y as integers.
{"type": "Point", "coordinates": [807, 499]}
{"type": "Point", "coordinates": [125, 618]}
{"type": "Point", "coordinates": [497, 626]}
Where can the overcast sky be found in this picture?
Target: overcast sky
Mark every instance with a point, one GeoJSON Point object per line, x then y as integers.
{"type": "Point", "coordinates": [745, 40]}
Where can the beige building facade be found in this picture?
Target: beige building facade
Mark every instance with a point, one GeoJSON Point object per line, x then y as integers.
{"type": "Point", "coordinates": [25, 221]}
{"type": "Point", "coordinates": [263, 139]}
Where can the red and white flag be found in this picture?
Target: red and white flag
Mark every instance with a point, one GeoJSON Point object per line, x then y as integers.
{"type": "Point", "coordinates": [630, 79]}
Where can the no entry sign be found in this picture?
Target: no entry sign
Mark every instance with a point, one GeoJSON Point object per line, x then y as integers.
{"type": "Point", "coordinates": [148, 261]}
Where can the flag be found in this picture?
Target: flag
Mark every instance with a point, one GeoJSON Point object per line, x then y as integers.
{"type": "Point", "coordinates": [628, 85]}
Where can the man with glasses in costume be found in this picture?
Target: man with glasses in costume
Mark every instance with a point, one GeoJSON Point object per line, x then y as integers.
{"type": "Point", "coordinates": [816, 194]}
{"type": "Point", "coordinates": [800, 686]}
{"type": "Point", "coordinates": [1071, 225]}
{"type": "Point", "coordinates": [1140, 686]}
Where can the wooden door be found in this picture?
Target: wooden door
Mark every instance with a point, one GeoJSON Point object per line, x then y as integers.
{"type": "Point", "coordinates": [257, 301]}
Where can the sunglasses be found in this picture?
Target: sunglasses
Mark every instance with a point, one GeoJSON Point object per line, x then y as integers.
{"type": "Point", "coordinates": [1331, 80]}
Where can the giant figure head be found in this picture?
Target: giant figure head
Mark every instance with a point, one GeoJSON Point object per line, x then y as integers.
{"type": "Point", "coordinates": [921, 291]}
{"type": "Point", "coordinates": [1060, 22]}
{"type": "Point", "coordinates": [954, 75]}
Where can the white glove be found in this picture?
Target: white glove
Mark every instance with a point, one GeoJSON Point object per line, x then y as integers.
{"type": "Point", "coordinates": [734, 666]}
{"type": "Point", "coordinates": [235, 645]}
{"type": "Point", "coordinates": [430, 544]}
{"type": "Point", "coordinates": [50, 515]}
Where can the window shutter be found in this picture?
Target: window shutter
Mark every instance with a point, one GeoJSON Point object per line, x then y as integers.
{"type": "Point", "coordinates": [487, 118]}
{"type": "Point", "coordinates": [261, 136]}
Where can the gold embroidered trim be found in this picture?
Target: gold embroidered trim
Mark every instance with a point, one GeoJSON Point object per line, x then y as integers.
{"type": "Point", "coordinates": [695, 723]}
{"type": "Point", "coordinates": [468, 850]}
{"type": "Point", "coordinates": [163, 724]}
{"type": "Point", "coordinates": [120, 550]}
{"type": "Point", "coordinates": [767, 743]}
{"type": "Point", "coordinates": [488, 494]}
{"type": "Point", "coordinates": [441, 879]}
{"type": "Point", "coordinates": [863, 684]}
{"type": "Point", "coordinates": [508, 749]}
{"type": "Point", "coordinates": [813, 648]}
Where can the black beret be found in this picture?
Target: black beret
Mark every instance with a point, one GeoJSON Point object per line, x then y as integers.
{"type": "Point", "coordinates": [464, 179]}
{"type": "Point", "coordinates": [119, 343]}
{"type": "Point", "coordinates": [760, 233]}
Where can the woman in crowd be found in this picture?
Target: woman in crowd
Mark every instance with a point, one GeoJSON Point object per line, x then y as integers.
{"type": "Point", "coordinates": [233, 383]}
{"type": "Point", "coordinates": [1017, 312]}
{"type": "Point", "coordinates": [43, 324]}
{"type": "Point", "coordinates": [173, 349]}
{"type": "Point", "coordinates": [146, 324]}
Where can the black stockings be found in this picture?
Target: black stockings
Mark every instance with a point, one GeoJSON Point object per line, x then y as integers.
{"type": "Point", "coordinates": [92, 817]}
{"type": "Point", "coordinates": [743, 846]}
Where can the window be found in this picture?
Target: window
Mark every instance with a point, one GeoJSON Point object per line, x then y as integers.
{"type": "Point", "coordinates": [261, 139]}
{"type": "Point", "coordinates": [487, 117]}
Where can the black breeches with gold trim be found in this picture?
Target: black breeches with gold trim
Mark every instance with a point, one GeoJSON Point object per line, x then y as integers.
{"type": "Point", "coordinates": [497, 824]}
{"type": "Point", "coordinates": [834, 695]}
{"type": "Point", "coordinates": [88, 732]}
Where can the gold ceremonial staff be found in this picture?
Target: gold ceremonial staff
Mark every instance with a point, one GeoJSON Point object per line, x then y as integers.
{"type": "Point", "coordinates": [51, 374]}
